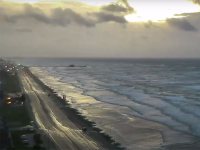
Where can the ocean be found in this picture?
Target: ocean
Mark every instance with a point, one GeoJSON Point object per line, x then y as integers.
{"type": "Point", "coordinates": [114, 92]}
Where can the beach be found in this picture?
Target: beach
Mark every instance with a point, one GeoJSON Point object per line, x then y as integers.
{"type": "Point", "coordinates": [100, 74]}
{"type": "Point", "coordinates": [60, 123]}
{"type": "Point", "coordinates": [139, 109]}
{"type": "Point", "coordinates": [140, 133]}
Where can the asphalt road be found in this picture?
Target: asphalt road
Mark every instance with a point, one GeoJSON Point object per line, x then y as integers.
{"type": "Point", "coordinates": [52, 121]}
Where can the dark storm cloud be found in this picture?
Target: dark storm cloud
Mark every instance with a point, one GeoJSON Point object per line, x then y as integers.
{"type": "Point", "coordinates": [61, 17]}
{"type": "Point", "coordinates": [181, 24]}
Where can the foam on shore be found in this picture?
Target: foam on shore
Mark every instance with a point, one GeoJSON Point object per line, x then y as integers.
{"type": "Point", "coordinates": [125, 123]}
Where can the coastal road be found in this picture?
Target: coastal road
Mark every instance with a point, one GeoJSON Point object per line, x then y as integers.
{"type": "Point", "coordinates": [51, 120]}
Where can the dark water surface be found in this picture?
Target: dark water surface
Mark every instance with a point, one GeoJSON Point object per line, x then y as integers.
{"type": "Point", "coordinates": [162, 90]}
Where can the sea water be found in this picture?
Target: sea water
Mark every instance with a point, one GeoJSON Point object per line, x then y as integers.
{"type": "Point", "coordinates": [165, 91]}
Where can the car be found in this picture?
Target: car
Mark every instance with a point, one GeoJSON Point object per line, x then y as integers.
{"type": "Point", "coordinates": [32, 123]}
{"type": "Point", "coordinates": [23, 136]}
{"type": "Point", "coordinates": [28, 127]}
{"type": "Point", "coordinates": [24, 139]}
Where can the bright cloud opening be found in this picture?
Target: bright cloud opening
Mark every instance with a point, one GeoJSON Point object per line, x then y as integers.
{"type": "Point", "coordinates": [159, 10]}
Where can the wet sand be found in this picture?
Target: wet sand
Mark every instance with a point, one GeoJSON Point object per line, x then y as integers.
{"type": "Point", "coordinates": [132, 132]}
{"type": "Point", "coordinates": [102, 139]}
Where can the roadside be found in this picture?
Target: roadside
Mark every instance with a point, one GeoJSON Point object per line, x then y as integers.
{"type": "Point", "coordinates": [17, 132]}
{"type": "Point", "coordinates": [21, 104]}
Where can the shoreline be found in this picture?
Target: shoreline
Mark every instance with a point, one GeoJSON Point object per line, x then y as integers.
{"type": "Point", "coordinates": [146, 134]}
{"type": "Point", "coordinates": [80, 120]}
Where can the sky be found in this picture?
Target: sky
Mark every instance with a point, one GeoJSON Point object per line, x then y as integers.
{"type": "Point", "coordinates": [100, 28]}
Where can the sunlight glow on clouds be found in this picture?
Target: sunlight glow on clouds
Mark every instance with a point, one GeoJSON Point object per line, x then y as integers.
{"type": "Point", "coordinates": [100, 28]}
{"type": "Point", "coordinates": [159, 10]}
{"type": "Point", "coordinates": [144, 10]}
{"type": "Point", "coordinates": [24, 1]}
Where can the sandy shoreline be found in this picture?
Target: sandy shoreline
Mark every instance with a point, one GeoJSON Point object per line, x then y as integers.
{"type": "Point", "coordinates": [80, 121]}
{"type": "Point", "coordinates": [141, 134]}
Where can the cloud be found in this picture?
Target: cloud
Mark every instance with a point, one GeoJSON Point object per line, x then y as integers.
{"type": "Point", "coordinates": [23, 30]}
{"type": "Point", "coordinates": [196, 1]}
{"type": "Point", "coordinates": [122, 6]}
{"type": "Point", "coordinates": [60, 17]}
{"type": "Point", "coordinates": [107, 17]}
{"type": "Point", "coordinates": [181, 24]}
{"type": "Point", "coordinates": [114, 8]}
{"type": "Point", "coordinates": [67, 16]}
{"type": "Point", "coordinates": [126, 4]}
{"type": "Point", "coordinates": [29, 12]}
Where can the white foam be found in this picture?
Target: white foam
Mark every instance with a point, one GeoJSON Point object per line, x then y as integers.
{"type": "Point", "coordinates": [113, 104]}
